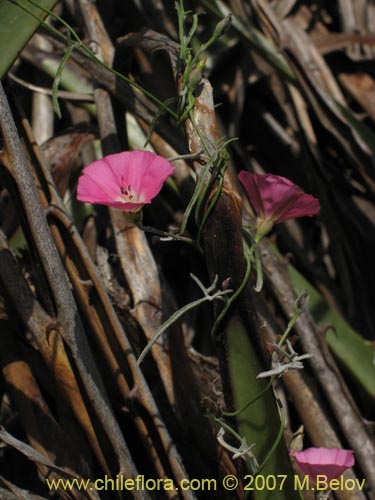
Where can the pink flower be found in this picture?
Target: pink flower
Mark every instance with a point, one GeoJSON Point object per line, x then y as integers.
{"type": "Point", "coordinates": [330, 462]}
{"type": "Point", "coordinates": [126, 180]}
{"type": "Point", "coordinates": [276, 199]}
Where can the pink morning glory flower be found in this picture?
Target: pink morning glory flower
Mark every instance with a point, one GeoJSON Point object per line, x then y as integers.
{"type": "Point", "coordinates": [127, 180]}
{"type": "Point", "coordinates": [276, 199]}
{"type": "Point", "coordinates": [330, 462]}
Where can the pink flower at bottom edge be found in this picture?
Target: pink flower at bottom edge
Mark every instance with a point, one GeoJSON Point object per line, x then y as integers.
{"type": "Point", "coordinates": [330, 462]}
{"type": "Point", "coordinates": [276, 198]}
{"type": "Point", "coordinates": [127, 180]}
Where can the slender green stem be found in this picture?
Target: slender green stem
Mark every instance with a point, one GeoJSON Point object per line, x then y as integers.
{"type": "Point", "coordinates": [290, 325]}
{"type": "Point", "coordinates": [238, 412]}
{"type": "Point", "coordinates": [218, 295]}
{"type": "Point", "coordinates": [259, 269]}
{"type": "Point", "coordinates": [57, 79]}
{"type": "Point", "coordinates": [227, 427]}
{"type": "Point", "coordinates": [252, 465]}
{"type": "Point", "coordinates": [167, 236]}
{"type": "Point", "coordinates": [278, 437]}
{"type": "Point", "coordinates": [233, 297]}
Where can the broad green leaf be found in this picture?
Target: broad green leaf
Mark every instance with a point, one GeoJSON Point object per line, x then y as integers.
{"type": "Point", "coordinates": [17, 27]}
{"type": "Point", "coordinates": [355, 353]}
{"type": "Point", "coordinates": [259, 422]}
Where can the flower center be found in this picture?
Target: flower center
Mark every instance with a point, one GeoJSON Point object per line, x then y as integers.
{"type": "Point", "coordinates": [127, 193]}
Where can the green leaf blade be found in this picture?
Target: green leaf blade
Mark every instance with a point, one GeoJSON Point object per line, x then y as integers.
{"type": "Point", "coordinates": [18, 22]}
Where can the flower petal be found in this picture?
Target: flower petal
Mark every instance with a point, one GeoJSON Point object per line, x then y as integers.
{"type": "Point", "coordinates": [126, 180]}
{"type": "Point", "coordinates": [277, 198]}
{"type": "Point", "coordinates": [249, 182]}
{"type": "Point", "coordinates": [147, 173]}
{"type": "Point", "coordinates": [304, 205]}
{"type": "Point", "coordinates": [97, 183]}
{"type": "Point", "coordinates": [330, 462]}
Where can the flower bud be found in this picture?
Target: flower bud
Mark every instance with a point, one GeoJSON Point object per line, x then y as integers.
{"type": "Point", "coordinates": [223, 26]}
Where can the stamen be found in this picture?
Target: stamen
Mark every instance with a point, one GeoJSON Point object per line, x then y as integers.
{"type": "Point", "coordinates": [127, 191]}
